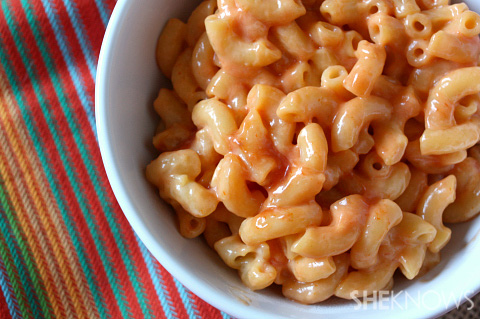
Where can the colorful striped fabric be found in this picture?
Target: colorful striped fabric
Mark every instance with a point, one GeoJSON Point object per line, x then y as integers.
{"type": "Point", "coordinates": [66, 250]}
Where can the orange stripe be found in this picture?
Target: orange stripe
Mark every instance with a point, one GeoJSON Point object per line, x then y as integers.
{"type": "Point", "coordinates": [45, 213]}
{"type": "Point", "coordinates": [34, 238]}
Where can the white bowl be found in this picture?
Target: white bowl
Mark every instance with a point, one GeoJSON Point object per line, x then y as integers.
{"type": "Point", "coordinates": [127, 83]}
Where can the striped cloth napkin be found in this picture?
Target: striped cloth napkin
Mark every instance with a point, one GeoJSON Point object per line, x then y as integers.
{"type": "Point", "coordinates": [66, 250]}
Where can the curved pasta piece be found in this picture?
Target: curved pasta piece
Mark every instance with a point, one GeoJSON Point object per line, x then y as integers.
{"type": "Point", "coordinates": [251, 261]}
{"type": "Point", "coordinates": [450, 140]}
{"type": "Point", "coordinates": [309, 102]}
{"type": "Point", "coordinates": [370, 57]}
{"type": "Point", "coordinates": [313, 147]}
{"type": "Point", "coordinates": [413, 230]}
{"type": "Point", "coordinates": [348, 216]}
{"type": "Point", "coordinates": [184, 82]}
{"type": "Point", "coordinates": [382, 217]}
{"type": "Point", "coordinates": [440, 107]}
{"type": "Point", "coordinates": [254, 144]}
{"type": "Point", "coordinates": [279, 221]}
{"type": "Point", "coordinates": [231, 188]}
{"type": "Point", "coordinates": [214, 231]}
{"type": "Point", "coordinates": [325, 34]}
{"type": "Point", "coordinates": [311, 269]}
{"type": "Point", "coordinates": [189, 226]}
{"type": "Point", "coordinates": [299, 75]}
{"type": "Point", "coordinates": [440, 13]}
{"type": "Point", "coordinates": [203, 145]}
{"type": "Point", "coordinates": [409, 242]}
{"type": "Point", "coordinates": [364, 282]}
{"type": "Point", "coordinates": [203, 68]}
{"type": "Point", "coordinates": [291, 39]}
{"type": "Point", "coordinates": [431, 207]}
{"type": "Point", "coordinates": [265, 99]}
{"type": "Point", "coordinates": [389, 136]}
{"type": "Point", "coordinates": [418, 54]}
{"type": "Point", "coordinates": [231, 90]}
{"type": "Point", "coordinates": [195, 24]}
{"type": "Point", "coordinates": [273, 12]}
{"type": "Point", "coordinates": [231, 47]}
{"type": "Point", "coordinates": [340, 12]}
{"type": "Point", "coordinates": [339, 164]}
{"type": "Point", "coordinates": [174, 174]}
{"type": "Point", "coordinates": [377, 180]}
{"type": "Point", "coordinates": [411, 260]}
{"type": "Point", "coordinates": [170, 45]}
{"type": "Point", "coordinates": [418, 26]}
{"type": "Point", "coordinates": [299, 186]}
{"type": "Point", "coordinates": [467, 203]}
{"type": "Point", "coordinates": [355, 115]}
{"type": "Point", "coordinates": [218, 120]}
{"type": "Point", "coordinates": [467, 24]}
{"type": "Point", "coordinates": [176, 119]}
{"type": "Point", "coordinates": [333, 77]}
{"type": "Point", "coordinates": [458, 49]}
{"type": "Point", "coordinates": [403, 8]}
{"type": "Point", "coordinates": [386, 30]}
{"type": "Point", "coordinates": [409, 199]}
{"type": "Point", "coordinates": [432, 164]}
{"type": "Point", "coordinates": [320, 290]}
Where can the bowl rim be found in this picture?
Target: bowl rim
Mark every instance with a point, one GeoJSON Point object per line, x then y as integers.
{"type": "Point", "coordinates": [175, 268]}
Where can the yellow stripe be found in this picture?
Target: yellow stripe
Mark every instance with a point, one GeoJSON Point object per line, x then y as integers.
{"type": "Point", "coordinates": [45, 211]}
{"type": "Point", "coordinates": [33, 239]}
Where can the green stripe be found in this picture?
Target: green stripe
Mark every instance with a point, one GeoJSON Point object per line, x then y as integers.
{"type": "Point", "coordinates": [23, 251]}
{"type": "Point", "coordinates": [115, 283]}
{"type": "Point", "coordinates": [13, 280]}
{"type": "Point", "coordinates": [91, 169]}
{"type": "Point", "coordinates": [113, 279]}
{"type": "Point", "coordinates": [44, 160]}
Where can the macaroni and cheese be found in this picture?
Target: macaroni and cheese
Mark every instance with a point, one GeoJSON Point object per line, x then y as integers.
{"type": "Point", "coordinates": [321, 145]}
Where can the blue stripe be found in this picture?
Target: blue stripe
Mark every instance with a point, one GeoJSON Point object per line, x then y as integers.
{"type": "Point", "coordinates": [157, 281]}
{"type": "Point", "coordinates": [104, 12]}
{"type": "Point", "coordinates": [225, 316]}
{"type": "Point", "coordinates": [49, 172]}
{"type": "Point", "coordinates": [185, 299]}
{"type": "Point", "coordinates": [93, 174]}
{"type": "Point", "coordinates": [81, 34]}
{"type": "Point", "coordinates": [8, 293]}
{"type": "Point", "coordinates": [85, 100]}
{"type": "Point", "coordinates": [13, 240]}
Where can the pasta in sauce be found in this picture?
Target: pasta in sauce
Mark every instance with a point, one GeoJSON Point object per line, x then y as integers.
{"type": "Point", "coordinates": [321, 145]}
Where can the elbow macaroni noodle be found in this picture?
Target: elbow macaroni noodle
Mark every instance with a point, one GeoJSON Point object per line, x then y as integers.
{"type": "Point", "coordinates": [321, 145]}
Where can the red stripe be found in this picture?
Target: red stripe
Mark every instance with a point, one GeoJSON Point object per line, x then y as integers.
{"type": "Point", "coordinates": [92, 21]}
{"type": "Point", "coordinates": [4, 311]}
{"type": "Point", "coordinates": [204, 309]}
{"type": "Point", "coordinates": [70, 145]}
{"type": "Point", "coordinates": [172, 291]}
{"type": "Point", "coordinates": [125, 227]}
{"type": "Point", "coordinates": [87, 189]}
{"type": "Point", "coordinates": [141, 268]}
{"type": "Point", "coordinates": [43, 206]}
{"type": "Point", "coordinates": [41, 263]}
{"type": "Point", "coordinates": [75, 49]}
{"type": "Point", "coordinates": [54, 159]}
{"type": "Point", "coordinates": [21, 296]}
